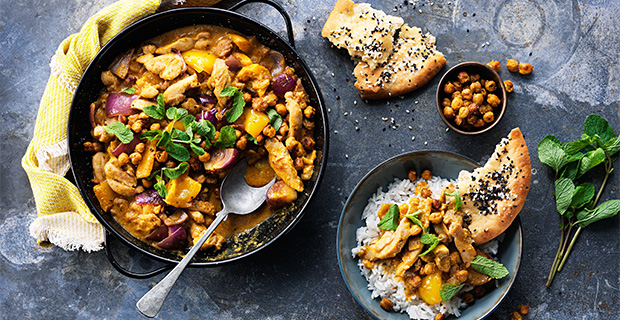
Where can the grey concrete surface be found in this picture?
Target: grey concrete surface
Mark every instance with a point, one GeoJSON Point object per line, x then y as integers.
{"type": "Point", "coordinates": [573, 45]}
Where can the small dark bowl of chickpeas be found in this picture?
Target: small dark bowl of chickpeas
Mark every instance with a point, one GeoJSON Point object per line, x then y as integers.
{"type": "Point", "coordinates": [471, 98]}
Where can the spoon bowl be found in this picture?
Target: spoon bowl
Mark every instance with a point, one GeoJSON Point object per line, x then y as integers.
{"type": "Point", "coordinates": [238, 198]}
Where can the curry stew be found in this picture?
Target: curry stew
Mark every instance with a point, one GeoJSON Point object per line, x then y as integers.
{"type": "Point", "coordinates": [176, 115]}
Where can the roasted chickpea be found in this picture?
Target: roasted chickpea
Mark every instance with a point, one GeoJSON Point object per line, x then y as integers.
{"type": "Point", "coordinates": [525, 68]}
{"type": "Point", "coordinates": [425, 193]}
{"type": "Point", "coordinates": [515, 316]}
{"type": "Point", "coordinates": [387, 304]}
{"type": "Point", "coordinates": [283, 129]}
{"type": "Point", "coordinates": [448, 112]}
{"type": "Point", "coordinates": [445, 102]}
{"type": "Point", "coordinates": [427, 175]}
{"type": "Point", "coordinates": [474, 77]}
{"type": "Point", "coordinates": [485, 108]}
{"type": "Point", "coordinates": [488, 117]}
{"type": "Point", "coordinates": [523, 309]}
{"type": "Point", "coordinates": [457, 85]}
{"type": "Point", "coordinates": [449, 88]}
{"type": "Point", "coordinates": [429, 268]}
{"type": "Point", "coordinates": [308, 143]}
{"type": "Point", "coordinates": [205, 157]}
{"type": "Point", "coordinates": [483, 92]}
{"type": "Point", "coordinates": [478, 98]}
{"type": "Point", "coordinates": [155, 126]}
{"type": "Point", "coordinates": [495, 65]}
{"type": "Point", "coordinates": [140, 147]}
{"type": "Point", "coordinates": [461, 275]}
{"type": "Point", "coordinates": [298, 164]}
{"type": "Point", "coordinates": [512, 65]}
{"type": "Point", "coordinates": [463, 113]}
{"type": "Point", "coordinates": [309, 112]}
{"type": "Point", "coordinates": [414, 281]}
{"type": "Point", "coordinates": [241, 143]}
{"type": "Point", "coordinates": [161, 156]}
{"type": "Point", "coordinates": [260, 140]}
{"type": "Point", "coordinates": [146, 183]}
{"type": "Point", "coordinates": [467, 103]}
{"type": "Point", "coordinates": [474, 109]}
{"type": "Point", "coordinates": [412, 175]}
{"type": "Point", "coordinates": [93, 146]}
{"type": "Point", "coordinates": [479, 123]}
{"type": "Point", "coordinates": [509, 86]}
{"type": "Point", "coordinates": [493, 100]}
{"type": "Point", "coordinates": [281, 109]}
{"type": "Point", "coordinates": [269, 131]}
{"type": "Point", "coordinates": [463, 77]}
{"type": "Point", "coordinates": [247, 97]}
{"type": "Point", "coordinates": [472, 119]}
{"type": "Point", "coordinates": [123, 159]}
{"type": "Point", "coordinates": [490, 85]}
{"type": "Point", "coordinates": [457, 103]}
{"type": "Point", "coordinates": [475, 87]}
{"type": "Point", "coordinates": [458, 121]}
{"type": "Point", "coordinates": [135, 158]}
{"type": "Point", "coordinates": [457, 94]}
{"type": "Point", "coordinates": [467, 94]}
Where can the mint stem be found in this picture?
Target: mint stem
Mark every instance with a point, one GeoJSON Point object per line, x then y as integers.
{"type": "Point", "coordinates": [570, 247]}
{"type": "Point", "coordinates": [557, 257]}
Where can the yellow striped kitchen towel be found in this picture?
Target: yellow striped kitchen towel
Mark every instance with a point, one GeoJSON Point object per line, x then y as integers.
{"type": "Point", "coordinates": [63, 217]}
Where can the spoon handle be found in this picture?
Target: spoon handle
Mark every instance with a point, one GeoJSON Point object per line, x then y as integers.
{"type": "Point", "coordinates": [152, 301]}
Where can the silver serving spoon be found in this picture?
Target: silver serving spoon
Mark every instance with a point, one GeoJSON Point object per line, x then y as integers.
{"type": "Point", "coordinates": [237, 197]}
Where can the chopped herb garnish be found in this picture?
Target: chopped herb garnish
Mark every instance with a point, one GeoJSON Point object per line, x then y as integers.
{"type": "Point", "coordinates": [160, 186]}
{"type": "Point", "coordinates": [458, 202]}
{"type": "Point", "coordinates": [156, 111]}
{"type": "Point", "coordinates": [448, 291]}
{"type": "Point", "coordinates": [237, 105]}
{"type": "Point", "coordinates": [431, 240]}
{"type": "Point", "coordinates": [275, 119]}
{"type": "Point", "coordinates": [489, 267]}
{"type": "Point", "coordinates": [390, 219]}
{"type": "Point", "coordinates": [414, 218]}
{"type": "Point", "coordinates": [120, 131]}
{"type": "Point", "coordinates": [226, 139]}
{"type": "Point", "coordinates": [129, 91]}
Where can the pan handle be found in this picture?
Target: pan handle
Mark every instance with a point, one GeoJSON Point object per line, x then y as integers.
{"type": "Point", "coordinates": [277, 6]}
{"type": "Point", "coordinates": [128, 273]}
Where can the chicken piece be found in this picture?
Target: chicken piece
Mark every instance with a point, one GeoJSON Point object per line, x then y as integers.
{"type": "Point", "coordinates": [220, 78]}
{"type": "Point", "coordinates": [144, 58]}
{"type": "Point", "coordinates": [197, 216]}
{"type": "Point", "coordinates": [262, 103]}
{"type": "Point", "coordinates": [139, 104]}
{"type": "Point", "coordinates": [442, 258]}
{"type": "Point", "coordinates": [223, 48]}
{"type": "Point", "coordinates": [281, 162]}
{"type": "Point", "coordinates": [175, 93]}
{"type": "Point", "coordinates": [452, 217]}
{"type": "Point", "coordinates": [183, 44]}
{"type": "Point", "coordinates": [308, 161]}
{"type": "Point", "coordinates": [143, 218]}
{"type": "Point", "coordinates": [463, 243]}
{"type": "Point", "coordinates": [476, 278]}
{"type": "Point", "coordinates": [203, 206]}
{"type": "Point", "coordinates": [215, 240]}
{"type": "Point", "coordinates": [148, 85]}
{"type": "Point", "coordinates": [99, 161]}
{"type": "Point", "coordinates": [109, 79]}
{"type": "Point", "coordinates": [167, 66]}
{"type": "Point", "coordinates": [294, 103]}
{"type": "Point", "coordinates": [280, 195]}
{"type": "Point", "coordinates": [414, 248]}
{"type": "Point", "coordinates": [390, 243]}
{"type": "Point", "coordinates": [121, 181]}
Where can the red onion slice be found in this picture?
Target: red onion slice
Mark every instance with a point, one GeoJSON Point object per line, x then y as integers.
{"type": "Point", "coordinates": [222, 159]}
{"type": "Point", "coordinates": [119, 103]}
{"type": "Point", "coordinates": [233, 63]}
{"type": "Point", "coordinates": [179, 216]}
{"type": "Point", "coordinates": [274, 62]}
{"type": "Point", "coordinates": [126, 147]}
{"type": "Point", "coordinates": [149, 196]}
{"type": "Point", "coordinates": [158, 234]}
{"type": "Point", "coordinates": [176, 238]}
{"type": "Point", "coordinates": [282, 84]}
{"type": "Point", "coordinates": [209, 115]}
{"type": "Point", "coordinates": [120, 66]}
{"type": "Point", "coordinates": [207, 99]}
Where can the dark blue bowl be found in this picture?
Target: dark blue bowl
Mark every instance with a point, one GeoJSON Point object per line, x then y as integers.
{"type": "Point", "coordinates": [441, 163]}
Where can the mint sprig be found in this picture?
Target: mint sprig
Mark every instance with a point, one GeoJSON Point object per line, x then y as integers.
{"type": "Point", "coordinates": [448, 290]}
{"type": "Point", "coordinates": [390, 219]}
{"type": "Point", "coordinates": [431, 240]}
{"type": "Point", "coordinates": [156, 111]}
{"type": "Point", "coordinates": [237, 105]}
{"type": "Point", "coordinates": [120, 131]}
{"type": "Point", "coordinates": [489, 267]}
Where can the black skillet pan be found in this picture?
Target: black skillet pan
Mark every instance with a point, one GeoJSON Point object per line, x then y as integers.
{"type": "Point", "coordinates": [91, 86]}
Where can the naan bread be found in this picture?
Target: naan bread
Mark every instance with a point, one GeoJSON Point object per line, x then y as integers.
{"type": "Point", "coordinates": [494, 194]}
{"type": "Point", "coordinates": [386, 67]}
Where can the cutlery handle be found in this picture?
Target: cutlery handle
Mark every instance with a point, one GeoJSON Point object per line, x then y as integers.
{"type": "Point", "coordinates": [152, 301]}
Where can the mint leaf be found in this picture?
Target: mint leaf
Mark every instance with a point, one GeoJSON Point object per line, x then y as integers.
{"type": "Point", "coordinates": [414, 218]}
{"type": "Point", "coordinates": [604, 210]}
{"type": "Point", "coordinates": [165, 139]}
{"type": "Point", "coordinates": [431, 240]}
{"type": "Point", "coordinates": [189, 121]}
{"type": "Point", "coordinates": [226, 139]}
{"type": "Point", "coordinates": [160, 186]}
{"type": "Point", "coordinates": [597, 125]}
{"type": "Point", "coordinates": [390, 219]}
{"type": "Point", "coordinates": [229, 91]}
{"type": "Point", "coordinates": [197, 149]}
{"type": "Point", "coordinates": [448, 291]}
{"type": "Point", "coordinates": [173, 173]}
{"type": "Point", "coordinates": [458, 202]}
{"type": "Point", "coordinates": [275, 119]}
{"type": "Point", "coordinates": [591, 160]}
{"type": "Point", "coordinates": [151, 135]}
{"type": "Point", "coordinates": [129, 91]}
{"type": "Point", "coordinates": [489, 267]}
{"type": "Point", "coordinates": [205, 129]}
{"type": "Point", "coordinates": [582, 195]}
{"type": "Point", "coordinates": [251, 139]}
{"type": "Point", "coordinates": [177, 151]}
{"type": "Point", "coordinates": [564, 189]}
{"type": "Point", "coordinates": [120, 131]}
{"type": "Point", "coordinates": [612, 146]}
{"type": "Point", "coordinates": [176, 114]}
{"type": "Point", "coordinates": [570, 170]}
{"type": "Point", "coordinates": [153, 112]}
{"type": "Point", "coordinates": [573, 147]}
{"type": "Point", "coordinates": [180, 135]}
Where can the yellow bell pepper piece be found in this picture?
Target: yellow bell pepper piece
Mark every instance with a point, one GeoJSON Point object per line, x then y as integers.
{"type": "Point", "coordinates": [199, 60]}
{"type": "Point", "coordinates": [429, 290]}
{"type": "Point", "coordinates": [105, 195]}
{"type": "Point", "coordinates": [253, 121]}
{"type": "Point", "coordinates": [182, 190]}
{"type": "Point", "coordinates": [148, 159]}
{"type": "Point", "coordinates": [241, 42]}
{"type": "Point", "coordinates": [257, 77]}
{"type": "Point", "coordinates": [177, 125]}
{"type": "Point", "coordinates": [245, 60]}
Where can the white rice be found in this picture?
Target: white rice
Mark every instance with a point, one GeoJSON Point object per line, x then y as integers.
{"type": "Point", "coordinates": [382, 284]}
